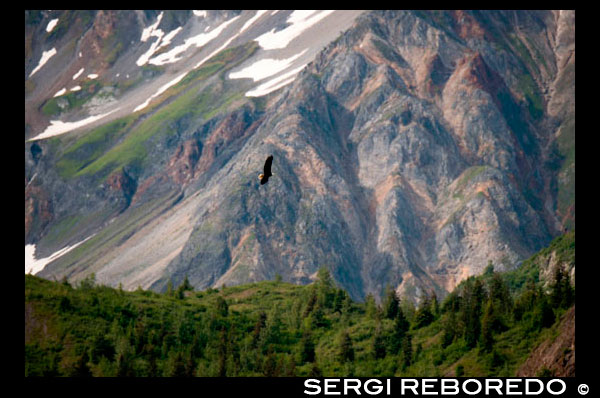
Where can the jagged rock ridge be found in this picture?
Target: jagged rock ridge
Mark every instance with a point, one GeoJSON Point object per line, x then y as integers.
{"type": "Point", "coordinates": [414, 149]}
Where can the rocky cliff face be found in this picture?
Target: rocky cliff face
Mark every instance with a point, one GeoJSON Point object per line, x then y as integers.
{"type": "Point", "coordinates": [413, 149]}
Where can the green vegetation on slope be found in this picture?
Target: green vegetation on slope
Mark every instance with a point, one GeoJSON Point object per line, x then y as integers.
{"type": "Point", "coordinates": [125, 142]}
{"type": "Point", "coordinates": [487, 326]}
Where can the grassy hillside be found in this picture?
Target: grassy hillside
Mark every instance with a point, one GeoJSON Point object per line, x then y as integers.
{"type": "Point", "coordinates": [125, 141]}
{"type": "Point", "coordinates": [487, 326]}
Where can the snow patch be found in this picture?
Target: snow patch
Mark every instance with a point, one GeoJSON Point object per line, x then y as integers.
{"type": "Point", "coordinates": [264, 68]}
{"type": "Point", "coordinates": [76, 75]}
{"type": "Point", "coordinates": [199, 13]}
{"type": "Point", "coordinates": [146, 34]}
{"type": "Point", "coordinates": [58, 127]}
{"type": "Point", "coordinates": [51, 25]}
{"type": "Point", "coordinates": [300, 20]}
{"type": "Point", "coordinates": [151, 30]}
{"type": "Point", "coordinates": [33, 265]}
{"type": "Point", "coordinates": [198, 40]}
{"type": "Point", "coordinates": [275, 83]}
{"type": "Point", "coordinates": [46, 55]}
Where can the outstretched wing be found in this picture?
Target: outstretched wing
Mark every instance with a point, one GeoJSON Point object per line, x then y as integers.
{"type": "Point", "coordinates": [267, 168]}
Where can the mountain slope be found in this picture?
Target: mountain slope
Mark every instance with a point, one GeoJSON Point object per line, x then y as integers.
{"type": "Point", "coordinates": [413, 149]}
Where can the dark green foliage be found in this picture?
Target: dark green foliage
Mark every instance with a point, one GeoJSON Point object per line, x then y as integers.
{"type": "Point", "coordinates": [391, 304]}
{"type": "Point", "coordinates": [472, 301]}
{"type": "Point", "coordinates": [562, 294]}
{"type": "Point", "coordinates": [258, 327]}
{"type": "Point", "coordinates": [424, 315]}
{"type": "Point", "coordinates": [371, 309]}
{"type": "Point", "coordinates": [346, 350]}
{"type": "Point", "coordinates": [307, 348]}
{"type": "Point", "coordinates": [401, 326]}
{"type": "Point", "coordinates": [379, 349]}
{"type": "Point", "coordinates": [407, 351]}
{"type": "Point", "coordinates": [486, 326]}
{"type": "Point", "coordinates": [450, 329]}
{"type": "Point", "coordinates": [487, 323]}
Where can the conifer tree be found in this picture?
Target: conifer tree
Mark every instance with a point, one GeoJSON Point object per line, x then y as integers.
{"type": "Point", "coordinates": [401, 326]}
{"type": "Point", "coordinates": [487, 340]}
{"type": "Point", "coordinates": [499, 292]}
{"type": "Point", "coordinates": [310, 305]}
{"type": "Point", "coordinates": [222, 307]}
{"type": "Point", "coordinates": [326, 289]}
{"type": "Point", "coordinates": [435, 305]}
{"type": "Point", "coordinates": [339, 300]}
{"type": "Point", "coordinates": [307, 348]}
{"type": "Point", "coordinates": [391, 304]}
{"type": "Point", "coordinates": [449, 325]}
{"type": "Point", "coordinates": [561, 294]}
{"type": "Point", "coordinates": [543, 314]}
{"type": "Point", "coordinates": [346, 350]}
{"type": "Point", "coordinates": [258, 327]}
{"type": "Point", "coordinates": [379, 350]}
{"type": "Point", "coordinates": [423, 316]}
{"type": "Point", "coordinates": [318, 317]}
{"type": "Point", "coordinates": [473, 295]}
{"type": "Point", "coordinates": [371, 307]}
{"type": "Point", "coordinates": [407, 351]}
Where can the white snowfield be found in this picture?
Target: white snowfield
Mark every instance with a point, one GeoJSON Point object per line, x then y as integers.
{"type": "Point", "coordinates": [275, 83]}
{"type": "Point", "coordinates": [34, 265]}
{"type": "Point", "coordinates": [51, 25]}
{"type": "Point", "coordinates": [76, 75]}
{"type": "Point", "coordinates": [282, 54]}
{"type": "Point", "coordinates": [46, 55]}
{"type": "Point", "coordinates": [264, 68]}
{"type": "Point", "coordinates": [58, 127]}
{"type": "Point", "coordinates": [198, 41]}
{"type": "Point", "coordinates": [300, 21]}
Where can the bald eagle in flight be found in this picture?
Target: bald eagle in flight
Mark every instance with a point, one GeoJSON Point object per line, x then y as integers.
{"type": "Point", "coordinates": [264, 176]}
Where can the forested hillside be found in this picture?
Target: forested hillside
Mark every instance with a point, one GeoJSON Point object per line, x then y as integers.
{"type": "Point", "coordinates": [489, 325]}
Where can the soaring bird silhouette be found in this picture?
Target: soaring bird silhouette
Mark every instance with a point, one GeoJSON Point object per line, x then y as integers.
{"type": "Point", "coordinates": [264, 176]}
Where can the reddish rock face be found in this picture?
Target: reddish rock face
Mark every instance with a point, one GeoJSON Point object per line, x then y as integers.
{"type": "Point", "coordinates": [233, 127]}
{"type": "Point", "coordinates": [182, 163]}
{"type": "Point", "coordinates": [121, 182]}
